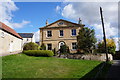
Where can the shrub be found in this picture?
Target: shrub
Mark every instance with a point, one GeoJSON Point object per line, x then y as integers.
{"type": "Point", "coordinates": [54, 51]}
{"type": "Point", "coordinates": [31, 46]}
{"type": "Point", "coordinates": [46, 53]}
{"type": "Point", "coordinates": [42, 47]}
{"type": "Point", "coordinates": [64, 49]}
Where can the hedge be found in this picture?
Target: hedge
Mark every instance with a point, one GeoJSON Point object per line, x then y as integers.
{"type": "Point", "coordinates": [46, 53]}
{"type": "Point", "coordinates": [31, 46]}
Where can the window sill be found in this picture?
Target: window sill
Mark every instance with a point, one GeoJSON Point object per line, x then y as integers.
{"type": "Point", "coordinates": [48, 37]}
{"type": "Point", "coordinates": [73, 35]}
{"type": "Point", "coordinates": [60, 36]}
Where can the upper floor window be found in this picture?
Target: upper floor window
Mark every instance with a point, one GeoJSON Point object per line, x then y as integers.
{"type": "Point", "coordinates": [60, 23]}
{"type": "Point", "coordinates": [49, 46]}
{"type": "Point", "coordinates": [49, 33]}
{"type": "Point", "coordinates": [74, 45]}
{"type": "Point", "coordinates": [61, 33]}
{"type": "Point", "coordinates": [73, 32]}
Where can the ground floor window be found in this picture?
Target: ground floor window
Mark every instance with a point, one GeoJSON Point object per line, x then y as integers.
{"type": "Point", "coordinates": [74, 45]}
{"type": "Point", "coordinates": [49, 46]}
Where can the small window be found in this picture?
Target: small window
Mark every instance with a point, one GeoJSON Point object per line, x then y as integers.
{"type": "Point", "coordinates": [60, 23]}
{"type": "Point", "coordinates": [61, 32]}
{"type": "Point", "coordinates": [49, 46]}
{"type": "Point", "coordinates": [73, 32]}
{"type": "Point", "coordinates": [49, 33]}
{"type": "Point", "coordinates": [74, 45]}
{"type": "Point", "coordinates": [2, 34]}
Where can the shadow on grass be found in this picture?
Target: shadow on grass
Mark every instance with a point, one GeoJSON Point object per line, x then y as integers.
{"type": "Point", "coordinates": [92, 75]}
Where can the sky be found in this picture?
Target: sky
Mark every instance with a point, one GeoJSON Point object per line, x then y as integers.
{"type": "Point", "coordinates": [30, 16]}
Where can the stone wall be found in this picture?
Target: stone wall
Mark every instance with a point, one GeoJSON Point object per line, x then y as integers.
{"type": "Point", "coordinates": [99, 57]}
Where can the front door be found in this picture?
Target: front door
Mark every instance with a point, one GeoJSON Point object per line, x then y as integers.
{"type": "Point", "coordinates": [60, 44]}
{"type": "Point", "coordinates": [11, 46]}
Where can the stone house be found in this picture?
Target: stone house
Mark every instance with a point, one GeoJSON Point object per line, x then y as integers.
{"type": "Point", "coordinates": [27, 37]}
{"type": "Point", "coordinates": [10, 41]}
{"type": "Point", "coordinates": [59, 33]}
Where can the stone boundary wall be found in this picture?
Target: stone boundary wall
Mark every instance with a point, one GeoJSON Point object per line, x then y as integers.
{"type": "Point", "coordinates": [99, 57]}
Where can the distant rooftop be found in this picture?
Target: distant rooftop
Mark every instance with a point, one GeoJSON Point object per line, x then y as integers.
{"type": "Point", "coordinates": [26, 35]}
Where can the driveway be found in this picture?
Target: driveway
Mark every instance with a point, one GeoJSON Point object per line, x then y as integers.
{"type": "Point", "coordinates": [114, 72]}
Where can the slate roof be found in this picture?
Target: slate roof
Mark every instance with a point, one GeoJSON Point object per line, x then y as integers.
{"type": "Point", "coordinates": [9, 30]}
{"type": "Point", "coordinates": [26, 35]}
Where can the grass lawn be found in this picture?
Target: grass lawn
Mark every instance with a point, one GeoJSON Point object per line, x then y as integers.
{"type": "Point", "coordinates": [23, 66]}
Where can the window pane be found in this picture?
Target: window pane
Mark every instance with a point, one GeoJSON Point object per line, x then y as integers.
{"type": "Point", "coordinates": [74, 46]}
{"type": "Point", "coordinates": [73, 32]}
{"type": "Point", "coordinates": [49, 33]}
{"type": "Point", "coordinates": [61, 32]}
{"type": "Point", "coordinates": [49, 46]}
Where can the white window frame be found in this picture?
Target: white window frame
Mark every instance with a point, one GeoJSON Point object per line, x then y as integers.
{"type": "Point", "coordinates": [47, 46]}
{"type": "Point", "coordinates": [60, 22]}
{"type": "Point", "coordinates": [47, 34]}
{"type": "Point", "coordinates": [59, 33]}
{"type": "Point", "coordinates": [72, 45]}
{"type": "Point", "coordinates": [71, 32]}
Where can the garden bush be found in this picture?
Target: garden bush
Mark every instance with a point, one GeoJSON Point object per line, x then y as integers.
{"type": "Point", "coordinates": [31, 46]}
{"type": "Point", "coordinates": [64, 49]}
{"type": "Point", "coordinates": [42, 47]}
{"type": "Point", "coordinates": [46, 53]}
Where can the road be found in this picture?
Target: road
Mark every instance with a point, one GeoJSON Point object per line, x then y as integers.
{"type": "Point", "coordinates": [114, 72]}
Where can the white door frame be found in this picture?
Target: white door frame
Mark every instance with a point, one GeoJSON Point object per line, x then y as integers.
{"type": "Point", "coordinates": [11, 46]}
{"type": "Point", "coordinates": [60, 44]}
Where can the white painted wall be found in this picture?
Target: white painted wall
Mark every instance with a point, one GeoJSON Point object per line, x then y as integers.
{"type": "Point", "coordinates": [9, 43]}
{"type": "Point", "coordinates": [27, 40]}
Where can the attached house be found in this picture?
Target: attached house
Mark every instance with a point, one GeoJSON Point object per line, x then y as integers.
{"type": "Point", "coordinates": [59, 33]}
{"type": "Point", "coordinates": [27, 37]}
{"type": "Point", "coordinates": [10, 41]}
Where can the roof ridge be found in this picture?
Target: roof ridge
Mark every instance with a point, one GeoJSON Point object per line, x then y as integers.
{"type": "Point", "coordinates": [59, 20]}
{"type": "Point", "coordinates": [10, 30]}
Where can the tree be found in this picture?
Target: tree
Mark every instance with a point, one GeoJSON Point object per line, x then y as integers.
{"type": "Point", "coordinates": [110, 46]}
{"type": "Point", "coordinates": [42, 47]}
{"type": "Point", "coordinates": [64, 49]}
{"type": "Point", "coordinates": [31, 46]}
{"type": "Point", "coordinates": [86, 40]}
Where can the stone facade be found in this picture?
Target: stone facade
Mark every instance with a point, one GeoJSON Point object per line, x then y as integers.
{"type": "Point", "coordinates": [56, 40]}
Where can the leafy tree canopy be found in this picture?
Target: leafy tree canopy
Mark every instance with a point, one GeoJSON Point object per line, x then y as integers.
{"type": "Point", "coordinates": [86, 40]}
{"type": "Point", "coordinates": [110, 46]}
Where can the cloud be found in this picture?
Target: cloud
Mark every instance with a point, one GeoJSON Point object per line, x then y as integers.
{"type": "Point", "coordinates": [57, 8]}
{"type": "Point", "coordinates": [117, 43]}
{"type": "Point", "coordinates": [90, 15]}
{"type": "Point", "coordinates": [37, 36]}
{"type": "Point", "coordinates": [19, 25]}
{"type": "Point", "coordinates": [7, 7]}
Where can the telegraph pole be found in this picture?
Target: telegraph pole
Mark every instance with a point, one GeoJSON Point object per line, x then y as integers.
{"type": "Point", "coordinates": [104, 34]}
